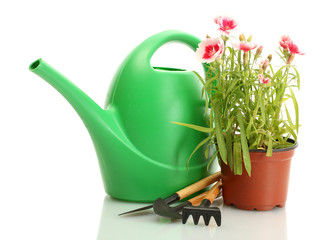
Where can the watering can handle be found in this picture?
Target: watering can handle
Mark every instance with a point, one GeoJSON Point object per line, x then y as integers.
{"type": "Point", "coordinates": [151, 45]}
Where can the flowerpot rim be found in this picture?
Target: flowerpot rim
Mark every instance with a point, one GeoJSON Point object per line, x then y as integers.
{"type": "Point", "coordinates": [279, 149]}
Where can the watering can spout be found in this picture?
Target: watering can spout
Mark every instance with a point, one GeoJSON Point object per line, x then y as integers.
{"type": "Point", "coordinates": [87, 109]}
{"type": "Point", "coordinates": [109, 140]}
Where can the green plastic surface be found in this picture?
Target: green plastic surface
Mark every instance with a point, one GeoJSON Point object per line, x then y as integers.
{"type": "Point", "coordinates": [141, 154]}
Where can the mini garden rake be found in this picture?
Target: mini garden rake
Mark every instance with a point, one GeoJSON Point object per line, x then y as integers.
{"type": "Point", "coordinates": [203, 209]}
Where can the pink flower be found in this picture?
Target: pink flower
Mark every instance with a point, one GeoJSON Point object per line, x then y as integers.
{"type": "Point", "coordinates": [264, 80]}
{"type": "Point", "coordinates": [293, 48]}
{"type": "Point", "coordinates": [226, 24]}
{"type": "Point", "coordinates": [284, 40]}
{"type": "Point", "coordinates": [245, 46]}
{"type": "Point", "coordinates": [210, 49]}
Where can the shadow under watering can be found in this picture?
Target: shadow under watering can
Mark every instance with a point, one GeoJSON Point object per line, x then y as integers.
{"type": "Point", "coordinates": [142, 155]}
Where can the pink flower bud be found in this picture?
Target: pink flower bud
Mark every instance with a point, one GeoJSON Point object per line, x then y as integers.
{"type": "Point", "coordinates": [260, 69]}
{"type": "Point", "coordinates": [265, 64]}
{"type": "Point", "coordinates": [290, 58]}
{"type": "Point", "coordinates": [242, 37]}
{"type": "Point", "coordinates": [258, 52]}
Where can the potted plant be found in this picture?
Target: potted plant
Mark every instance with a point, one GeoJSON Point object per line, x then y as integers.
{"type": "Point", "coordinates": [250, 122]}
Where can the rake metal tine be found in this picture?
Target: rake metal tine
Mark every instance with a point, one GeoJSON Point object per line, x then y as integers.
{"type": "Point", "coordinates": [204, 209]}
{"type": "Point", "coordinates": [196, 218]}
{"type": "Point", "coordinates": [217, 218]}
{"type": "Point", "coordinates": [206, 218]}
{"type": "Point", "coordinates": [185, 216]}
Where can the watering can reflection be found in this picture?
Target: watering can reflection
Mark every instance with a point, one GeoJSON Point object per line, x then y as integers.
{"type": "Point", "coordinates": [141, 154]}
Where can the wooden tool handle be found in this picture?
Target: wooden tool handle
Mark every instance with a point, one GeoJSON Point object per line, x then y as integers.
{"type": "Point", "coordinates": [198, 199]}
{"type": "Point", "coordinates": [214, 191]}
{"type": "Point", "coordinates": [199, 185]}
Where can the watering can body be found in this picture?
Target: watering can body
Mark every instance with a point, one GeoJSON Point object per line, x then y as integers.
{"type": "Point", "coordinates": [142, 155]}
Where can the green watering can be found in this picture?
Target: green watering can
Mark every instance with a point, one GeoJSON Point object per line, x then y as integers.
{"type": "Point", "coordinates": [142, 155]}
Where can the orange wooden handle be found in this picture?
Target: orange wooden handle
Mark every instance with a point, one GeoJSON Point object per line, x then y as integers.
{"type": "Point", "coordinates": [198, 199]}
{"type": "Point", "coordinates": [214, 191]}
{"type": "Point", "coordinates": [198, 185]}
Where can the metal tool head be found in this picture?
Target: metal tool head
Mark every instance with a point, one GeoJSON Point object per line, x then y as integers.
{"type": "Point", "coordinates": [136, 210]}
{"type": "Point", "coordinates": [206, 212]}
{"type": "Point", "coordinates": [161, 207]}
{"type": "Point", "coordinates": [171, 199]}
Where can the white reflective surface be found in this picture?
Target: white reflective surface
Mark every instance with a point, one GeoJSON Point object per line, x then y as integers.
{"type": "Point", "coordinates": [236, 224]}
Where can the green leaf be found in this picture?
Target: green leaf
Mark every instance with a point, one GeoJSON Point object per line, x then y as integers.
{"type": "Point", "coordinates": [297, 76]}
{"type": "Point", "coordinates": [232, 58]}
{"type": "Point", "coordinates": [195, 127]}
{"type": "Point", "coordinates": [206, 152]}
{"type": "Point", "coordinates": [248, 128]}
{"type": "Point", "coordinates": [231, 87]}
{"type": "Point", "coordinates": [229, 123]}
{"type": "Point", "coordinates": [296, 108]}
{"type": "Point", "coordinates": [211, 160]}
{"type": "Point", "coordinates": [290, 130]}
{"type": "Point", "coordinates": [278, 75]}
{"type": "Point", "coordinates": [255, 112]}
{"type": "Point", "coordinates": [210, 81]}
{"type": "Point", "coordinates": [237, 155]}
{"type": "Point", "coordinates": [289, 119]}
{"type": "Point", "coordinates": [196, 148]}
{"type": "Point", "coordinates": [206, 101]}
{"type": "Point", "coordinates": [262, 108]}
{"type": "Point", "coordinates": [270, 147]}
{"type": "Point", "coordinates": [220, 137]}
{"type": "Point", "coordinates": [239, 57]}
{"type": "Point", "coordinates": [258, 140]}
{"type": "Point", "coordinates": [200, 78]}
{"type": "Point", "coordinates": [271, 69]}
{"type": "Point", "coordinates": [281, 56]}
{"type": "Point", "coordinates": [244, 142]}
{"type": "Point", "coordinates": [229, 146]}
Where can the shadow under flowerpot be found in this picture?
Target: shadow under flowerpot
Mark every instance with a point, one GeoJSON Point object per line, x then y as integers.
{"type": "Point", "coordinates": [268, 185]}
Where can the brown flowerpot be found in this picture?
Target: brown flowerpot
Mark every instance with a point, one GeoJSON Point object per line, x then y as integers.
{"type": "Point", "coordinates": [268, 185]}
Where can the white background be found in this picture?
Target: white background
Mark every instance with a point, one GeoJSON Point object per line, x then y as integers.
{"type": "Point", "coordinates": [50, 185]}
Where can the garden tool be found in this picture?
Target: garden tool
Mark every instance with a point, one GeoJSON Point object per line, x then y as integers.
{"type": "Point", "coordinates": [183, 193]}
{"type": "Point", "coordinates": [204, 209]}
{"type": "Point", "coordinates": [160, 207]}
{"type": "Point", "coordinates": [137, 145]}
